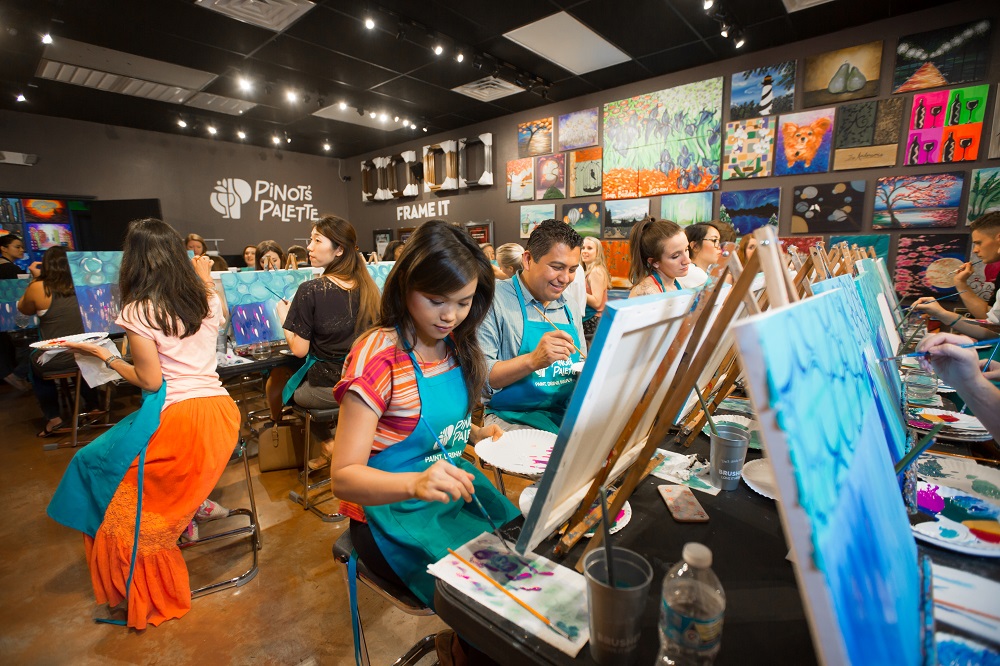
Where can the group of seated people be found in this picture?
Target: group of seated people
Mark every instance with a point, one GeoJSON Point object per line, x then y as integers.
{"type": "Point", "coordinates": [448, 324]}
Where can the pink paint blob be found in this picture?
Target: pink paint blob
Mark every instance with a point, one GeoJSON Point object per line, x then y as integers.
{"type": "Point", "coordinates": [929, 499]}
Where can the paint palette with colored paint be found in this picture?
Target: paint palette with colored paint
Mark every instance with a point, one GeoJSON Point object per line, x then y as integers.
{"type": "Point", "coordinates": [962, 522]}
{"type": "Point", "coordinates": [524, 451]}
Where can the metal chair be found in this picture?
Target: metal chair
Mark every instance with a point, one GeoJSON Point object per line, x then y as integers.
{"type": "Point", "coordinates": [307, 496]}
{"type": "Point", "coordinates": [400, 597]}
{"type": "Point", "coordinates": [252, 531]}
{"type": "Point", "coordinates": [79, 420]}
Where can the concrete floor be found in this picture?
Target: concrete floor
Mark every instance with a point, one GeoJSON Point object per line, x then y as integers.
{"type": "Point", "coordinates": [295, 611]}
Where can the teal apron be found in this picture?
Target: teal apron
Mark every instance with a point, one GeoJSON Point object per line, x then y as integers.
{"type": "Point", "coordinates": [538, 400]}
{"type": "Point", "coordinates": [656, 276]}
{"type": "Point", "coordinates": [96, 471]}
{"type": "Point", "coordinates": [295, 380]}
{"type": "Point", "coordinates": [413, 533]}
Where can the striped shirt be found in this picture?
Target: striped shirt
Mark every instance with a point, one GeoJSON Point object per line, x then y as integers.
{"type": "Point", "coordinates": [502, 330]}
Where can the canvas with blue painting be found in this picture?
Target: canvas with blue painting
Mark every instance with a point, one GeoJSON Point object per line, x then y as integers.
{"type": "Point", "coordinates": [10, 293]}
{"type": "Point", "coordinates": [804, 141]}
{"type": "Point", "coordinates": [747, 210]}
{"type": "Point", "coordinates": [380, 272]}
{"type": "Point", "coordinates": [95, 279]}
{"type": "Point", "coordinates": [764, 91]}
{"type": "Point", "coordinates": [878, 241]}
{"type": "Point", "coordinates": [252, 298]}
{"type": "Point", "coordinates": [857, 562]}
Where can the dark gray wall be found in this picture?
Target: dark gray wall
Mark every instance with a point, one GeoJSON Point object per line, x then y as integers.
{"type": "Point", "coordinates": [492, 203]}
{"type": "Point", "coordinates": [86, 159]}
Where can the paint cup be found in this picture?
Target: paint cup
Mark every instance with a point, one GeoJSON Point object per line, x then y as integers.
{"type": "Point", "coordinates": [616, 612]}
{"type": "Point", "coordinates": [260, 351]}
{"type": "Point", "coordinates": [728, 452]}
{"type": "Point", "coordinates": [921, 386]}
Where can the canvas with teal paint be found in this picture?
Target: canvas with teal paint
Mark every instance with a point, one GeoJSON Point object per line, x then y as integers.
{"type": "Point", "coordinates": [864, 241]}
{"type": "Point", "coordinates": [857, 560]}
{"type": "Point", "coordinates": [10, 293]}
{"type": "Point", "coordinates": [380, 272]}
{"type": "Point", "coordinates": [95, 279]}
{"type": "Point", "coordinates": [252, 298]}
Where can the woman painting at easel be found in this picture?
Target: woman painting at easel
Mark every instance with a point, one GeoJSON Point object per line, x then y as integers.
{"type": "Point", "coordinates": [659, 252]}
{"type": "Point", "coordinates": [405, 403]}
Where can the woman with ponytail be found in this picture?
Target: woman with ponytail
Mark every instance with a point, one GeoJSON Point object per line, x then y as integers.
{"type": "Point", "coordinates": [659, 251]}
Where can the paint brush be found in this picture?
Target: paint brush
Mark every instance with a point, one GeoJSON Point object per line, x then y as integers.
{"type": "Point", "coordinates": [278, 296]}
{"type": "Point", "coordinates": [978, 343]}
{"type": "Point", "coordinates": [948, 604]}
{"type": "Point", "coordinates": [711, 421]}
{"type": "Point", "coordinates": [482, 509]}
{"type": "Point", "coordinates": [971, 263]}
{"type": "Point", "coordinates": [548, 623]}
{"type": "Point", "coordinates": [917, 449]}
{"type": "Point", "coordinates": [609, 558]}
{"type": "Point", "coordinates": [943, 298]}
{"type": "Point", "coordinates": [583, 357]}
{"type": "Point", "coordinates": [985, 370]}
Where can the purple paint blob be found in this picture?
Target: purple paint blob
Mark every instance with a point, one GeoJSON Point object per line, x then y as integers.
{"type": "Point", "coordinates": [929, 499]}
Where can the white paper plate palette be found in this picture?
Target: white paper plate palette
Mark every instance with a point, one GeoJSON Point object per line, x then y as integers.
{"type": "Point", "coordinates": [524, 452]}
{"type": "Point", "coordinates": [964, 427]}
{"type": "Point", "coordinates": [759, 475]}
{"type": "Point", "coordinates": [57, 343]}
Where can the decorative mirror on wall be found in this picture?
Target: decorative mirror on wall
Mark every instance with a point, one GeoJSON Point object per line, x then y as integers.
{"type": "Point", "coordinates": [441, 166]}
{"type": "Point", "coordinates": [475, 156]}
{"type": "Point", "coordinates": [382, 190]}
{"type": "Point", "coordinates": [368, 181]}
{"type": "Point", "coordinates": [414, 173]}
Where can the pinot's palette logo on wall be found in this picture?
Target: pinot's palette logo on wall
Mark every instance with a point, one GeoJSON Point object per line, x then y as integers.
{"type": "Point", "coordinates": [287, 203]}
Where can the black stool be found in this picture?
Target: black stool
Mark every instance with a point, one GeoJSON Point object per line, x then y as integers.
{"type": "Point", "coordinates": [252, 531]}
{"type": "Point", "coordinates": [400, 597]}
{"type": "Point", "coordinates": [62, 378]}
{"type": "Point", "coordinates": [309, 501]}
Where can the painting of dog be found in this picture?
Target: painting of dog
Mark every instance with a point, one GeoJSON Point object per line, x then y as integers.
{"type": "Point", "coordinates": [804, 142]}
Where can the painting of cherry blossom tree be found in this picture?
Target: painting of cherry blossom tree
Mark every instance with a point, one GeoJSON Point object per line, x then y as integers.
{"type": "Point", "coordinates": [578, 129]}
{"type": "Point", "coordinates": [929, 200]}
{"type": "Point", "coordinates": [918, 255]}
{"type": "Point", "coordinates": [534, 137]}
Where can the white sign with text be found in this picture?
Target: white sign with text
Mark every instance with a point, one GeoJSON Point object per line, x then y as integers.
{"type": "Point", "coordinates": [423, 210]}
{"type": "Point", "coordinates": [286, 203]}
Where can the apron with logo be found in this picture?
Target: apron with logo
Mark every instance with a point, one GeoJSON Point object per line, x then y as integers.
{"type": "Point", "coordinates": [538, 400]}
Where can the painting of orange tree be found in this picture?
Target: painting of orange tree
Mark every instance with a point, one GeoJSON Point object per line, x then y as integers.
{"type": "Point", "coordinates": [534, 137]}
{"type": "Point", "coordinates": [663, 142]}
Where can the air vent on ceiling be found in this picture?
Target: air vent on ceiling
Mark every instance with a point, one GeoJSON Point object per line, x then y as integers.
{"type": "Point", "coordinates": [359, 117]}
{"type": "Point", "coordinates": [799, 5]}
{"type": "Point", "coordinates": [488, 89]}
{"type": "Point", "coordinates": [271, 14]}
{"type": "Point", "coordinates": [210, 102]}
{"type": "Point", "coordinates": [126, 85]}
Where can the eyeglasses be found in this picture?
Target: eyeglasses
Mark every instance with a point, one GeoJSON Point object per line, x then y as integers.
{"type": "Point", "coordinates": [714, 241]}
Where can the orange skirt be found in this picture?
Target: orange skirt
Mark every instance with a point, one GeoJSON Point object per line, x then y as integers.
{"type": "Point", "coordinates": [184, 461]}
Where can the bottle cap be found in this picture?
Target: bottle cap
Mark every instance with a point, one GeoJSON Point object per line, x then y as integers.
{"type": "Point", "coordinates": [697, 555]}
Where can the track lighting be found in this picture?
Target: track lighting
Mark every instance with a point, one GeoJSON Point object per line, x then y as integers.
{"type": "Point", "coordinates": [275, 140]}
{"type": "Point", "coordinates": [738, 39]}
{"type": "Point", "coordinates": [383, 117]}
{"type": "Point", "coordinates": [212, 130]}
{"type": "Point", "coordinates": [326, 146]}
{"type": "Point", "coordinates": [291, 96]}
{"type": "Point", "coordinates": [245, 84]}
{"type": "Point", "coordinates": [180, 122]}
{"type": "Point", "coordinates": [459, 57]}
{"type": "Point", "coordinates": [724, 30]}
{"type": "Point", "coordinates": [372, 114]}
{"type": "Point", "coordinates": [46, 38]}
{"type": "Point", "coordinates": [21, 98]}
{"type": "Point", "coordinates": [241, 135]}
{"type": "Point", "coordinates": [438, 49]}
{"type": "Point", "coordinates": [707, 4]}
{"type": "Point", "coordinates": [288, 139]}
{"type": "Point", "coordinates": [343, 106]}
{"type": "Point", "coordinates": [369, 23]}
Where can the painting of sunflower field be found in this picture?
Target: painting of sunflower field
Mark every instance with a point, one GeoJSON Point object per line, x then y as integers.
{"type": "Point", "coordinates": [664, 142]}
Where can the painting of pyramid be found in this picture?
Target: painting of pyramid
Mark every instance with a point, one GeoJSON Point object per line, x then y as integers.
{"type": "Point", "coordinates": [942, 57]}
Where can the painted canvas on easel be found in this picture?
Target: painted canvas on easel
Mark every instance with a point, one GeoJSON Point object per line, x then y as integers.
{"type": "Point", "coordinates": [11, 292]}
{"type": "Point", "coordinates": [617, 257]}
{"type": "Point", "coordinates": [532, 216]}
{"type": "Point", "coordinates": [842, 75]}
{"type": "Point", "coordinates": [747, 210]}
{"type": "Point", "coordinates": [521, 180]}
{"type": "Point", "coordinates": [984, 193]}
{"type": "Point", "coordinates": [748, 149]}
{"type": "Point", "coordinates": [764, 91]}
{"type": "Point", "coordinates": [380, 272]}
{"type": "Point", "coordinates": [622, 216]}
{"type": "Point", "coordinates": [578, 129]}
{"type": "Point", "coordinates": [95, 280]}
{"type": "Point", "coordinates": [550, 176]}
{"type": "Point", "coordinates": [946, 126]}
{"type": "Point", "coordinates": [584, 218]}
{"type": "Point", "coordinates": [534, 137]}
{"type": "Point", "coordinates": [867, 134]}
{"type": "Point", "coordinates": [878, 241]}
{"type": "Point", "coordinates": [687, 209]}
{"type": "Point", "coordinates": [584, 169]}
{"type": "Point", "coordinates": [252, 297]}
{"type": "Point", "coordinates": [906, 202]}
{"type": "Point", "coordinates": [10, 216]}
{"type": "Point", "coordinates": [828, 207]}
{"type": "Point", "coordinates": [942, 57]}
{"type": "Point", "coordinates": [804, 142]}
{"type": "Point", "coordinates": [664, 142]}
{"type": "Point", "coordinates": [924, 263]}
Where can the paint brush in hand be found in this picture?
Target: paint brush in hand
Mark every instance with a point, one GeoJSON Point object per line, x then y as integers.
{"type": "Point", "coordinates": [583, 357]}
{"type": "Point", "coordinates": [978, 343]}
{"type": "Point", "coordinates": [943, 298]}
{"type": "Point", "coordinates": [971, 263]}
{"type": "Point", "coordinates": [279, 297]}
{"type": "Point", "coordinates": [482, 509]}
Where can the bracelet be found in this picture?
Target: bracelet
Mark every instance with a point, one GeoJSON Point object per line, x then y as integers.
{"type": "Point", "coordinates": [111, 359]}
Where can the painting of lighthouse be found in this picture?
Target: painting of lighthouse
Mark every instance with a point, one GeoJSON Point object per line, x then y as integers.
{"type": "Point", "coordinates": [765, 91]}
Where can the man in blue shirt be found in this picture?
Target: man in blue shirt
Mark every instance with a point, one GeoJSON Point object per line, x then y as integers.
{"type": "Point", "coordinates": [532, 334]}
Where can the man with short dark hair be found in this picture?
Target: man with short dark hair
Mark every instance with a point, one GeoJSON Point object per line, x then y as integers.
{"type": "Point", "coordinates": [532, 333]}
{"type": "Point", "coordinates": [986, 246]}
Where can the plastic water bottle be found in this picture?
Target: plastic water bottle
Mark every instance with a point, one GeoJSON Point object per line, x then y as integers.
{"type": "Point", "coordinates": [691, 610]}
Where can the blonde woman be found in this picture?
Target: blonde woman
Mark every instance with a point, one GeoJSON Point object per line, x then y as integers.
{"type": "Point", "coordinates": [509, 260]}
{"type": "Point", "coordinates": [598, 280]}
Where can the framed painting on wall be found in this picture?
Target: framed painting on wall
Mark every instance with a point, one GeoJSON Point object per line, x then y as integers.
{"type": "Point", "coordinates": [617, 257]}
{"type": "Point", "coordinates": [764, 91]}
{"type": "Point", "coordinates": [584, 170]}
{"type": "Point", "coordinates": [945, 126]}
{"type": "Point", "coordinates": [534, 137]}
{"type": "Point", "coordinates": [984, 193]}
{"type": "Point", "coordinates": [925, 263]}
{"type": "Point", "coordinates": [929, 200]}
{"type": "Point", "coordinates": [747, 210]}
{"type": "Point", "coordinates": [404, 233]}
{"type": "Point", "coordinates": [842, 75]}
{"type": "Point", "coordinates": [942, 57]}
{"type": "Point", "coordinates": [382, 238]}
{"type": "Point", "coordinates": [10, 216]}
{"type": "Point", "coordinates": [828, 207]}
{"type": "Point", "coordinates": [578, 129]}
{"type": "Point", "coordinates": [748, 149]}
{"type": "Point", "coordinates": [622, 216]}
{"type": "Point", "coordinates": [867, 134]}
{"type": "Point", "coordinates": [521, 179]}
{"type": "Point", "coordinates": [550, 176]}
{"type": "Point", "coordinates": [878, 241]}
{"type": "Point", "coordinates": [800, 243]}
{"type": "Point", "coordinates": [481, 232]}
{"type": "Point", "coordinates": [686, 209]}
{"type": "Point", "coordinates": [804, 141]}
{"type": "Point", "coordinates": [584, 218]}
{"type": "Point", "coordinates": [533, 215]}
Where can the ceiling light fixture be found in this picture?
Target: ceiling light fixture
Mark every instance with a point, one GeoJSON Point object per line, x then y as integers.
{"type": "Point", "coordinates": [181, 122]}
{"type": "Point", "coordinates": [343, 106]}
{"type": "Point", "coordinates": [326, 146]}
{"type": "Point", "coordinates": [459, 57]}
{"type": "Point", "coordinates": [738, 39]}
{"type": "Point", "coordinates": [288, 139]}
{"type": "Point", "coordinates": [361, 111]}
{"type": "Point", "coordinates": [708, 4]}
{"type": "Point", "coordinates": [291, 96]}
{"type": "Point", "coordinates": [21, 98]}
{"type": "Point", "coordinates": [369, 23]}
{"type": "Point", "coordinates": [46, 38]}
{"type": "Point", "coordinates": [724, 30]}
{"type": "Point", "coordinates": [383, 117]}
{"type": "Point", "coordinates": [372, 114]}
{"type": "Point", "coordinates": [395, 119]}
{"type": "Point", "coordinates": [425, 129]}
{"type": "Point", "coordinates": [275, 140]}
{"type": "Point", "coordinates": [212, 130]}
{"type": "Point", "coordinates": [245, 84]}
{"type": "Point", "coordinates": [241, 135]}
{"type": "Point", "coordinates": [412, 126]}
{"type": "Point", "coordinates": [438, 49]}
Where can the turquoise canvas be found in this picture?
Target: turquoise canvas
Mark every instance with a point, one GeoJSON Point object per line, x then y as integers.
{"type": "Point", "coordinates": [95, 279]}
{"type": "Point", "coordinates": [252, 298]}
{"type": "Point", "coordinates": [10, 293]}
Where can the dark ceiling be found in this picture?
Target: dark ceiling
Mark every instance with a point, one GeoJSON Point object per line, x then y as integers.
{"type": "Point", "coordinates": [329, 54]}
